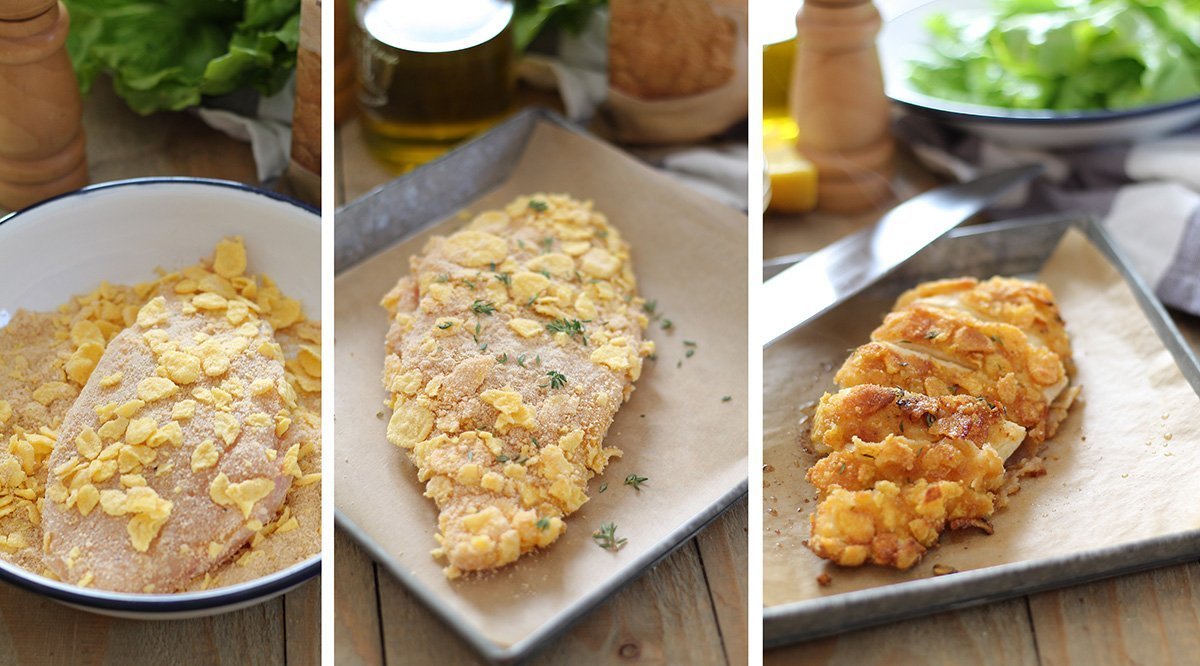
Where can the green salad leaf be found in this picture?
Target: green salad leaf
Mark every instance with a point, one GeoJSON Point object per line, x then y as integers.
{"type": "Point", "coordinates": [169, 54]}
{"type": "Point", "coordinates": [530, 17]}
{"type": "Point", "coordinates": [1064, 54]}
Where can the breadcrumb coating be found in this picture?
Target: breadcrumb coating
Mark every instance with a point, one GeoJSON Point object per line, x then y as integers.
{"type": "Point", "coordinates": [512, 344]}
{"type": "Point", "coordinates": [871, 412]}
{"type": "Point", "coordinates": [954, 381]}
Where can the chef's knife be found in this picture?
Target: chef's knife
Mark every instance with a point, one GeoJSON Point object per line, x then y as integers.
{"type": "Point", "coordinates": [844, 268]}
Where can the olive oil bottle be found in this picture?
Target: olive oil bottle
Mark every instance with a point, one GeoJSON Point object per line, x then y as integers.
{"type": "Point", "coordinates": [432, 74]}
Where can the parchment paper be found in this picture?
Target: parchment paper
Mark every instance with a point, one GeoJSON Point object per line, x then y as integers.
{"type": "Point", "coordinates": [1120, 469]}
{"type": "Point", "coordinates": [690, 254]}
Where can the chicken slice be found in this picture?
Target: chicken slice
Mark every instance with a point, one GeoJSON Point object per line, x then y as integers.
{"type": "Point", "coordinates": [901, 460]}
{"type": "Point", "coordinates": [891, 365]}
{"type": "Point", "coordinates": [871, 412]}
{"type": "Point", "coordinates": [890, 524]}
{"type": "Point", "coordinates": [1027, 305]}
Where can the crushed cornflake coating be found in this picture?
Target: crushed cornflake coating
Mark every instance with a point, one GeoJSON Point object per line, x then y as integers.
{"type": "Point", "coordinates": [960, 377]}
{"type": "Point", "coordinates": [121, 408]}
{"type": "Point", "coordinates": [511, 346]}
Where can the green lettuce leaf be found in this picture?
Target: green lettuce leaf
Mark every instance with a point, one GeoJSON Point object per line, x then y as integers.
{"type": "Point", "coordinates": [530, 17]}
{"type": "Point", "coordinates": [169, 54]}
{"type": "Point", "coordinates": [1064, 54]}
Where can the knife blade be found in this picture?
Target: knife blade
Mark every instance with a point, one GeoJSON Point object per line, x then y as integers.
{"type": "Point", "coordinates": [846, 267]}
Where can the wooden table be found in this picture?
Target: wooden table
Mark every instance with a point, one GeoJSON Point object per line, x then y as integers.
{"type": "Point", "coordinates": [1146, 618]}
{"type": "Point", "coordinates": [689, 609]}
{"type": "Point", "coordinates": [36, 630]}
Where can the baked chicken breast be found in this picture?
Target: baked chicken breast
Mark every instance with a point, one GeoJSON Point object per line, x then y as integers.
{"type": "Point", "coordinates": [959, 376]}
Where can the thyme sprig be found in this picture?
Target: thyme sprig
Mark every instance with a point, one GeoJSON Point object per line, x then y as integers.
{"type": "Point", "coordinates": [606, 537]}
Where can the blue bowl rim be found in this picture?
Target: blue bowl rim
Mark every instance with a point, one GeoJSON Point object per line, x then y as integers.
{"type": "Point", "coordinates": [164, 180]}
{"type": "Point", "coordinates": [181, 602]}
{"type": "Point", "coordinates": [952, 110]}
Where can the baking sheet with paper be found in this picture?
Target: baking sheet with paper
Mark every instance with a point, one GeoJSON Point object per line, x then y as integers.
{"type": "Point", "coordinates": [1120, 470]}
{"type": "Point", "coordinates": [691, 256]}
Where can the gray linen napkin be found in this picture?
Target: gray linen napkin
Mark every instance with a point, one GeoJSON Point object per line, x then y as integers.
{"type": "Point", "coordinates": [1146, 194]}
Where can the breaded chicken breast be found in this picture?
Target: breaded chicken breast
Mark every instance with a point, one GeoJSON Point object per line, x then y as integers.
{"type": "Point", "coordinates": [512, 344]}
{"type": "Point", "coordinates": [173, 456]}
{"type": "Point", "coordinates": [952, 383]}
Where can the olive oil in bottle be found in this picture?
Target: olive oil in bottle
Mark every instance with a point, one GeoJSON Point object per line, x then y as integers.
{"type": "Point", "coordinates": [432, 74]}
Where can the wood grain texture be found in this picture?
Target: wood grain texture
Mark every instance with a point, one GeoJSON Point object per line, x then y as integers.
{"type": "Point", "coordinates": [1146, 618]}
{"type": "Point", "coordinates": [358, 636]}
{"type": "Point", "coordinates": [122, 144]}
{"type": "Point", "coordinates": [357, 172]}
{"type": "Point", "coordinates": [997, 634]}
{"type": "Point", "coordinates": [726, 560]}
{"type": "Point", "coordinates": [666, 617]}
{"type": "Point", "coordinates": [37, 630]}
{"type": "Point", "coordinates": [302, 624]}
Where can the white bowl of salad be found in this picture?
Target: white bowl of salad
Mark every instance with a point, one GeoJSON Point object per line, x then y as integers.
{"type": "Point", "coordinates": [1048, 73]}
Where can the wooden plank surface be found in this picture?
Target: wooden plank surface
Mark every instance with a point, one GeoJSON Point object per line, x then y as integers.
{"type": "Point", "coordinates": [1146, 618]}
{"type": "Point", "coordinates": [689, 609]}
{"type": "Point", "coordinates": [356, 626]}
{"type": "Point", "coordinates": [36, 630]}
{"type": "Point", "coordinates": [122, 144]}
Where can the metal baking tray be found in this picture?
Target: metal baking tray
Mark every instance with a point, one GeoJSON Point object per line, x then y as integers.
{"type": "Point", "coordinates": [408, 206]}
{"type": "Point", "coordinates": [1017, 248]}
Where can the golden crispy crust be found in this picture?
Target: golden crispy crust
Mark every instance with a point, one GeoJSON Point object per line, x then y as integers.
{"type": "Point", "coordinates": [880, 363]}
{"type": "Point", "coordinates": [890, 525]}
{"type": "Point", "coordinates": [871, 412]}
{"type": "Point", "coordinates": [1027, 305]}
{"type": "Point", "coordinates": [512, 345]}
{"type": "Point", "coordinates": [950, 385]}
{"type": "Point", "coordinates": [902, 460]}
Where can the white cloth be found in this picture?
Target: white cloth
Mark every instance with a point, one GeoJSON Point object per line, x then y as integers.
{"type": "Point", "coordinates": [269, 132]}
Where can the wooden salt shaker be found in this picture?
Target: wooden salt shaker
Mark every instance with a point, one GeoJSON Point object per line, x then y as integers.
{"type": "Point", "coordinates": [41, 129]}
{"type": "Point", "coordinates": [839, 104]}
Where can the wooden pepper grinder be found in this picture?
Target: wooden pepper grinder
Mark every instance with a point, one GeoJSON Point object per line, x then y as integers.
{"type": "Point", "coordinates": [839, 104]}
{"type": "Point", "coordinates": [345, 83]}
{"type": "Point", "coordinates": [304, 169]}
{"type": "Point", "coordinates": [41, 129]}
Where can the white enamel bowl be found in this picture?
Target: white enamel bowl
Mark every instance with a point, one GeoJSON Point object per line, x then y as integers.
{"type": "Point", "coordinates": [121, 232]}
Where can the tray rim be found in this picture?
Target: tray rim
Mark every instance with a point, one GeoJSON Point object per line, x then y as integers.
{"type": "Point", "coordinates": [540, 638]}
{"type": "Point", "coordinates": [784, 624]}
